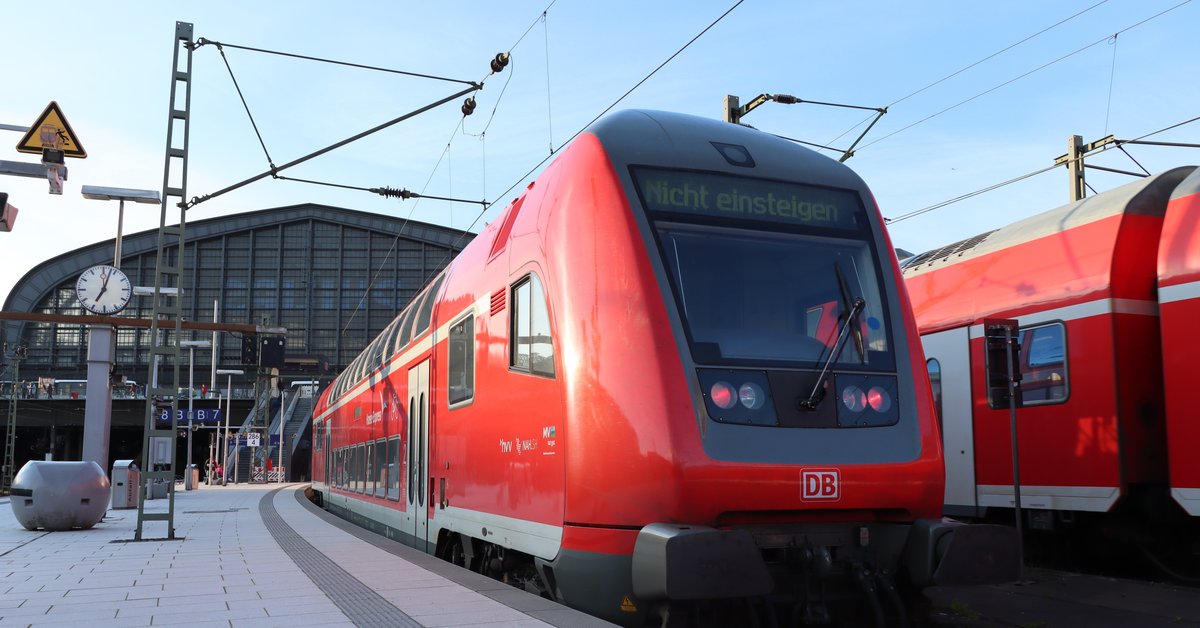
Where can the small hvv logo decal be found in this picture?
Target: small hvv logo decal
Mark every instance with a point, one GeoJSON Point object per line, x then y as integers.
{"type": "Point", "coordinates": [820, 485]}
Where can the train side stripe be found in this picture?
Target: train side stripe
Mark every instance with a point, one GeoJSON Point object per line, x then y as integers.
{"type": "Point", "coordinates": [400, 361]}
{"type": "Point", "coordinates": [1078, 311]}
{"type": "Point", "coordinates": [1181, 292]}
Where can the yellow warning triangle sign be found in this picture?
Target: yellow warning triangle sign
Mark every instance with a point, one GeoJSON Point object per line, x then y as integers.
{"type": "Point", "coordinates": [51, 131]}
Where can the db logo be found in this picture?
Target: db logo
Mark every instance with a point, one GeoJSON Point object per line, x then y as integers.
{"type": "Point", "coordinates": [820, 485]}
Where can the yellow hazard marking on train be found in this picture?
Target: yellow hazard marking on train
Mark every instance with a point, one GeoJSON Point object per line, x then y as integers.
{"type": "Point", "coordinates": [628, 606]}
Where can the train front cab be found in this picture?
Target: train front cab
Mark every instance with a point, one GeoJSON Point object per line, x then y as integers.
{"type": "Point", "coordinates": [722, 469]}
{"type": "Point", "coordinates": [1080, 282]}
{"type": "Point", "coordinates": [1179, 315]}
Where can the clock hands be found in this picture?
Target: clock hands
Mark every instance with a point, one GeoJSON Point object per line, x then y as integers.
{"type": "Point", "coordinates": [104, 274]}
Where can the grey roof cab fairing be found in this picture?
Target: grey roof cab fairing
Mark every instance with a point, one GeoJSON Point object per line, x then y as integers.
{"type": "Point", "coordinates": [684, 142]}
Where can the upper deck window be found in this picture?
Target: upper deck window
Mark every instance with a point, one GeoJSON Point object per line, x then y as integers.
{"type": "Point", "coordinates": [531, 348]}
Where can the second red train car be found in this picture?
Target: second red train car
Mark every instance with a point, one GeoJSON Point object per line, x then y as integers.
{"type": "Point", "coordinates": [1107, 294]}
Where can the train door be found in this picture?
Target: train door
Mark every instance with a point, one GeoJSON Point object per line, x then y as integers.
{"type": "Point", "coordinates": [418, 454]}
{"type": "Point", "coordinates": [948, 355]}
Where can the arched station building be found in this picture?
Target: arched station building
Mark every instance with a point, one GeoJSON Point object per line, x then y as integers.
{"type": "Point", "coordinates": [333, 277]}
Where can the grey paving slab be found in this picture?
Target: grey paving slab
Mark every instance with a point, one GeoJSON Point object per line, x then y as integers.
{"type": "Point", "coordinates": [245, 556]}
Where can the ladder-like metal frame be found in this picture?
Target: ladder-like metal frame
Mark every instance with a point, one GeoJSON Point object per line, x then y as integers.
{"type": "Point", "coordinates": [10, 441]}
{"type": "Point", "coordinates": [167, 310]}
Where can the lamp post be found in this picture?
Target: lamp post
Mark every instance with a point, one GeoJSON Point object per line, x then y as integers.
{"type": "Point", "coordinates": [228, 411]}
{"type": "Point", "coordinates": [188, 482]}
{"type": "Point", "coordinates": [97, 414]}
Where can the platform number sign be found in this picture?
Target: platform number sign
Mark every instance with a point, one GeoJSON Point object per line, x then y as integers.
{"type": "Point", "coordinates": [1002, 341]}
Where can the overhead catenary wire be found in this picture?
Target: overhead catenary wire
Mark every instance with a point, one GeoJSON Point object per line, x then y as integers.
{"type": "Point", "coordinates": [1115, 145]}
{"type": "Point", "coordinates": [972, 65]}
{"type": "Point", "coordinates": [203, 42]}
{"type": "Point", "coordinates": [609, 108]}
{"type": "Point", "coordinates": [1030, 72]}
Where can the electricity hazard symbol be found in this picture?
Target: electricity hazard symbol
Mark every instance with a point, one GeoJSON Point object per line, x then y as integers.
{"type": "Point", "coordinates": [820, 485]}
{"type": "Point", "coordinates": [51, 131]}
{"type": "Point", "coordinates": [628, 606]}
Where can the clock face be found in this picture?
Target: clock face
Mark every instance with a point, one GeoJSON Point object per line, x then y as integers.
{"type": "Point", "coordinates": [103, 289]}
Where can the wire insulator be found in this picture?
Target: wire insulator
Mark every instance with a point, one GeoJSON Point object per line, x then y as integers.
{"type": "Point", "coordinates": [785, 99]}
{"type": "Point", "coordinates": [468, 106]}
{"type": "Point", "coordinates": [500, 62]}
{"type": "Point", "coordinates": [388, 192]}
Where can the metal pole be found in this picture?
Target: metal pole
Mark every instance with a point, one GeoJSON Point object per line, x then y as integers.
{"type": "Point", "coordinates": [120, 222]}
{"type": "Point", "coordinates": [187, 469]}
{"type": "Point", "coordinates": [225, 444]}
{"type": "Point", "coordinates": [216, 348]}
{"type": "Point", "coordinates": [1012, 420]}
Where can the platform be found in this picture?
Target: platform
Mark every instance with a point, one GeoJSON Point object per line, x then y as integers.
{"type": "Point", "coordinates": [249, 555]}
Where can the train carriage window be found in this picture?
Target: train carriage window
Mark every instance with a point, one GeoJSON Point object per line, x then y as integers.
{"type": "Point", "coordinates": [369, 470]}
{"type": "Point", "coordinates": [425, 313]}
{"type": "Point", "coordinates": [461, 346]}
{"type": "Point", "coordinates": [1043, 365]}
{"type": "Point", "coordinates": [1044, 372]}
{"type": "Point", "coordinates": [393, 463]}
{"type": "Point", "coordinates": [381, 468]}
{"type": "Point", "coordinates": [935, 383]}
{"type": "Point", "coordinates": [405, 328]}
{"type": "Point", "coordinates": [531, 348]}
{"type": "Point", "coordinates": [360, 472]}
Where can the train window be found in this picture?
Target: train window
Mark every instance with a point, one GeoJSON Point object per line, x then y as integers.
{"type": "Point", "coordinates": [368, 469]}
{"type": "Point", "coordinates": [360, 474]}
{"type": "Point", "coordinates": [726, 284]}
{"type": "Point", "coordinates": [1043, 365]}
{"type": "Point", "coordinates": [935, 383]}
{"type": "Point", "coordinates": [393, 464]}
{"type": "Point", "coordinates": [531, 348]}
{"type": "Point", "coordinates": [381, 468]}
{"type": "Point", "coordinates": [461, 346]}
{"type": "Point", "coordinates": [425, 313]}
{"type": "Point", "coordinates": [405, 328]}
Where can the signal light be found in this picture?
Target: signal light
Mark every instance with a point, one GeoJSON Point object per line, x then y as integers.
{"type": "Point", "coordinates": [722, 395]}
{"type": "Point", "coordinates": [468, 106]}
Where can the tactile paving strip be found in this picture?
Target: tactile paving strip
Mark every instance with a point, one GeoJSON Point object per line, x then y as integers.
{"type": "Point", "coordinates": [359, 602]}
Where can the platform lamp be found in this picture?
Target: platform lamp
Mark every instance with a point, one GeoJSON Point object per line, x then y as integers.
{"type": "Point", "coordinates": [228, 411]}
{"type": "Point", "coordinates": [192, 345]}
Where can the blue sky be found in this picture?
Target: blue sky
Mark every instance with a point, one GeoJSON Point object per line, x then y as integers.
{"type": "Point", "coordinates": [107, 65]}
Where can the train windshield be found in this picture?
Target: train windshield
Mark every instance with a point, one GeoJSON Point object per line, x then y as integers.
{"type": "Point", "coordinates": [775, 293]}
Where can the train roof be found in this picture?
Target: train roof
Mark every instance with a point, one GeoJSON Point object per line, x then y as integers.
{"type": "Point", "coordinates": [1146, 196]}
{"type": "Point", "coordinates": [687, 142]}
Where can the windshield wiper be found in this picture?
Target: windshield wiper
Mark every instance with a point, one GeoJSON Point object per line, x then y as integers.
{"type": "Point", "coordinates": [818, 391]}
{"type": "Point", "coordinates": [849, 326]}
{"type": "Point", "coordinates": [844, 288]}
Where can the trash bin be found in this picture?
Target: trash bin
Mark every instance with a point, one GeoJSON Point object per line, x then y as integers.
{"type": "Point", "coordinates": [126, 478]}
{"type": "Point", "coordinates": [191, 478]}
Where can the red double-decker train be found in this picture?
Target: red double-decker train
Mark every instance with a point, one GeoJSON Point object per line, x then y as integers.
{"type": "Point", "coordinates": [1106, 292]}
{"type": "Point", "coordinates": [680, 368]}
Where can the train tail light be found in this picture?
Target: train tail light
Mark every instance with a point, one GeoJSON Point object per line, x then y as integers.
{"type": "Point", "coordinates": [879, 399]}
{"type": "Point", "coordinates": [722, 395]}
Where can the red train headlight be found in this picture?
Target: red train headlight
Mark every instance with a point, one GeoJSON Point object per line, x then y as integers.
{"type": "Point", "coordinates": [722, 395]}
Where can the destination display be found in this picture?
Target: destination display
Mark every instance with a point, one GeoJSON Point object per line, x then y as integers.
{"type": "Point", "coordinates": [743, 198]}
